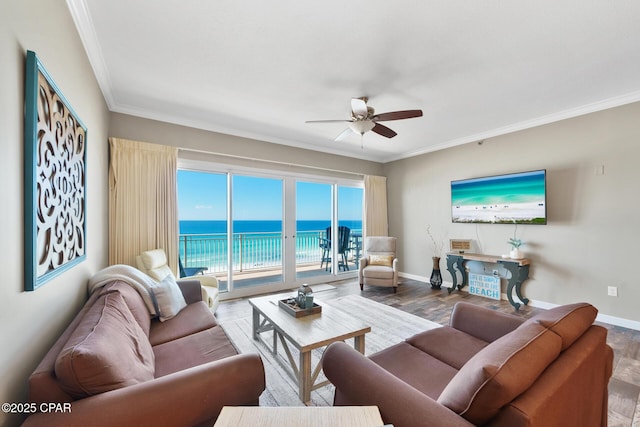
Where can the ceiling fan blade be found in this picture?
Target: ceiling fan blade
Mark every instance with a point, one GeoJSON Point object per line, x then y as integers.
{"type": "Point", "coordinates": [345, 133]}
{"type": "Point", "coordinates": [383, 130]}
{"type": "Point", "coordinates": [397, 115]}
{"type": "Point", "coordinates": [327, 121]}
{"type": "Point", "coordinates": [359, 107]}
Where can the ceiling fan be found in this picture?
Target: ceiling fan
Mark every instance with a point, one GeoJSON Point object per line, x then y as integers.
{"type": "Point", "coordinates": [363, 119]}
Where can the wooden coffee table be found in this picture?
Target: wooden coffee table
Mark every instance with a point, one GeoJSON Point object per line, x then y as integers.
{"type": "Point", "coordinates": [343, 416]}
{"type": "Point", "coordinates": [305, 334]}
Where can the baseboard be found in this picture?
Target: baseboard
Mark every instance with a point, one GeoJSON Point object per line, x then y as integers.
{"type": "Point", "coordinates": [618, 321]}
{"type": "Point", "coordinates": [604, 318]}
{"type": "Point", "coordinates": [413, 277]}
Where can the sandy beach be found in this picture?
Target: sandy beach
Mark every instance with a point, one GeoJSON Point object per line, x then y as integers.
{"type": "Point", "coordinates": [498, 213]}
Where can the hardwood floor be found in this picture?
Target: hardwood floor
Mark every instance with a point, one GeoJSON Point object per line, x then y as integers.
{"type": "Point", "coordinates": [417, 298]}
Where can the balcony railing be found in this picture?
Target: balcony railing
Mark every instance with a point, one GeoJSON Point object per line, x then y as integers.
{"type": "Point", "coordinates": [250, 251]}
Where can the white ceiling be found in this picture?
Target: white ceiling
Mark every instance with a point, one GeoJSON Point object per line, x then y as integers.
{"type": "Point", "coordinates": [260, 69]}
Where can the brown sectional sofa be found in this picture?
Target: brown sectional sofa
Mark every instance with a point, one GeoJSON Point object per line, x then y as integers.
{"type": "Point", "coordinates": [117, 366]}
{"type": "Point", "coordinates": [485, 368]}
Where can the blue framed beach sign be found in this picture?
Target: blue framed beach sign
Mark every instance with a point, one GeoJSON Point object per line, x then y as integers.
{"type": "Point", "coordinates": [484, 285]}
{"type": "Point", "coordinates": [55, 159]}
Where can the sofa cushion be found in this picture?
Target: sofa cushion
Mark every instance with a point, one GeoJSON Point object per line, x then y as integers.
{"type": "Point", "coordinates": [107, 350]}
{"type": "Point", "coordinates": [482, 322]}
{"type": "Point", "coordinates": [169, 298]}
{"type": "Point", "coordinates": [193, 350]}
{"type": "Point", "coordinates": [133, 300]}
{"type": "Point", "coordinates": [193, 318]}
{"type": "Point", "coordinates": [416, 368]}
{"type": "Point", "coordinates": [378, 272]}
{"type": "Point", "coordinates": [448, 345]}
{"type": "Point", "coordinates": [568, 321]}
{"type": "Point", "coordinates": [500, 372]}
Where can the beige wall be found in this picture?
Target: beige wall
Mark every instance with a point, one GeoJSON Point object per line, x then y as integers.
{"type": "Point", "coordinates": [236, 150]}
{"type": "Point", "coordinates": [591, 239]}
{"type": "Point", "coordinates": [31, 321]}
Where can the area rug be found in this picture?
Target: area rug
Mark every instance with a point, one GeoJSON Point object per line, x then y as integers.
{"type": "Point", "coordinates": [389, 326]}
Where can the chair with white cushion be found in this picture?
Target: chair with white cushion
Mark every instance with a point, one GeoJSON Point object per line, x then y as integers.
{"type": "Point", "coordinates": [379, 266]}
{"type": "Point", "coordinates": [154, 264]}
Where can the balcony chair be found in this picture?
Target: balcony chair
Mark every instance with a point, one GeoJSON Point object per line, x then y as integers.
{"type": "Point", "coordinates": [379, 265]}
{"type": "Point", "coordinates": [189, 271]}
{"type": "Point", "coordinates": [344, 246]}
{"type": "Point", "coordinates": [154, 264]}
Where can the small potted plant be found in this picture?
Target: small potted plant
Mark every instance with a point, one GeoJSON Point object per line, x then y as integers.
{"type": "Point", "coordinates": [515, 253]}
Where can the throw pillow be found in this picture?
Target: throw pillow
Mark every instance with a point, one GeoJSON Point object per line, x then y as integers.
{"type": "Point", "coordinates": [169, 298]}
{"type": "Point", "coordinates": [500, 372]}
{"type": "Point", "coordinates": [108, 350]}
{"type": "Point", "coordinates": [386, 260]}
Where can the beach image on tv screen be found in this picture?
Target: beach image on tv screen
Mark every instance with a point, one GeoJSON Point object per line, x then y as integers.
{"type": "Point", "coordinates": [514, 198]}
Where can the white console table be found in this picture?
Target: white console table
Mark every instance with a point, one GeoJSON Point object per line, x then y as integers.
{"type": "Point", "coordinates": [519, 269]}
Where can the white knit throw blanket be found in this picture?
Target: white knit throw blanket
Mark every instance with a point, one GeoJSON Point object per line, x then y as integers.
{"type": "Point", "coordinates": [133, 277]}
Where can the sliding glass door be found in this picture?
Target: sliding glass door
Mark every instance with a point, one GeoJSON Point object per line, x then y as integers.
{"type": "Point", "coordinates": [261, 233]}
{"type": "Point", "coordinates": [328, 229]}
{"type": "Point", "coordinates": [202, 211]}
{"type": "Point", "coordinates": [257, 231]}
{"type": "Point", "coordinates": [350, 201]}
{"type": "Point", "coordinates": [314, 206]}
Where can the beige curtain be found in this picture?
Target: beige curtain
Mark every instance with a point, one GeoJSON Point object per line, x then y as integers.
{"type": "Point", "coordinates": [143, 211]}
{"type": "Point", "coordinates": [375, 206]}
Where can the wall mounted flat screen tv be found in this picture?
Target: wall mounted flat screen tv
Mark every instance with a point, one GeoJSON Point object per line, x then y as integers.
{"type": "Point", "coordinates": [516, 198]}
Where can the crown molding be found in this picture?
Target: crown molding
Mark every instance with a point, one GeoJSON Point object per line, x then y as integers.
{"type": "Point", "coordinates": [528, 124]}
{"type": "Point", "coordinates": [86, 30]}
{"type": "Point", "coordinates": [208, 126]}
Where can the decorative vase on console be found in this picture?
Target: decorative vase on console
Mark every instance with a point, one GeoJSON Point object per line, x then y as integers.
{"type": "Point", "coordinates": [515, 252]}
{"type": "Point", "coordinates": [436, 277]}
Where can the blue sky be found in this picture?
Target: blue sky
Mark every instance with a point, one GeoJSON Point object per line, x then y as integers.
{"type": "Point", "coordinates": [202, 196]}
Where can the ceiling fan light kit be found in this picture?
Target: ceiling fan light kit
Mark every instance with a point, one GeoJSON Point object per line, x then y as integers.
{"type": "Point", "coordinates": [364, 120]}
{"type": "Point", "coordinates": [361, 126]}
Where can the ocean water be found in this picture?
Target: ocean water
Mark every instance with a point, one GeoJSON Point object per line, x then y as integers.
{"type": "Point", "coordinates": [526, 187]}
{"type": "Point", "coordinates": [220, 227]}
{"type": "Point", "coordinates": [255, 244]}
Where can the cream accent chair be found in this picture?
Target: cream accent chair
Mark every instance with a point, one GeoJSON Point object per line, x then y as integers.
{"type": "Point", "coordinates": [154, 264]}
{"type": "Point", "coordinates": [379, 266]}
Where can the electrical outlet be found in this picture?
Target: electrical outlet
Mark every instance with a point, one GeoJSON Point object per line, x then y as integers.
{"type": "Point", "coordinates": [612, 291]}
